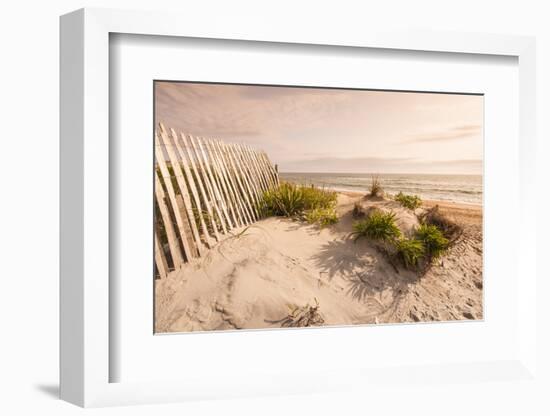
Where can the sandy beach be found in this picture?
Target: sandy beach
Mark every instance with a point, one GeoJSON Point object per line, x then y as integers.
{"type": "Point", "coordinates": [259, 275]}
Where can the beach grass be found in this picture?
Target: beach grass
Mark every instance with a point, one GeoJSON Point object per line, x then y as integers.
{"type": "Point", "coordinates": [420, 246]}
{"type": "Point", "coordinates": [286, 201]}
{"type": "Point", "coordinates": [314, 204]}
{"type": "Point", "coordinates": [410, 251]}
{"type": "Point", "coordinates": [408, 201]}
{"type": "Point", "coordinates": [321, 216]}
{"type": "Point", "coordinates": [375, 188]}
{"type": "Point", "coordinates": [377, 226]}
{"type": "Point", "coordinates": [433, 240]}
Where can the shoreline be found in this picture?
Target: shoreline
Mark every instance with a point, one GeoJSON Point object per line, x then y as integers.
{"type": "Point", "coordinates": [353, 193]}
{"type": "Point", "coordinates": [445, 187]}
{"type": "Point", "coordinates": [462, 213]}
{"type": "Point", "coordinates": [428, 202]}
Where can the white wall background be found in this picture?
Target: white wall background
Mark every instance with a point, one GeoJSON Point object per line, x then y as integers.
{"type": "Point", "coordinates": [29, 200]}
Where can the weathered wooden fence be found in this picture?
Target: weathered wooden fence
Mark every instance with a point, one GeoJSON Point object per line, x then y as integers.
{"type": "Point", "coordinates": [204, 189]}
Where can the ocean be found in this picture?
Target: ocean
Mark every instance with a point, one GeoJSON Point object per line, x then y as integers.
{"type": "Point", "coordinates": [457, 188]}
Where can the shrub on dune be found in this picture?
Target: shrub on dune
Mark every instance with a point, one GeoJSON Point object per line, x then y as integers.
{"type": "Point", "coordinates": [427, 242]}
{"type": "Point", "coordinates": [408, 201]}
{"type": "Point", "coordinates": [375, 189]}
{"type": "Point", "coordinates": [377, 226]}
{"type": "Point", "coordinates": [433, 239]}
{"type": "Point", "coordinates": [318, 197]}
{"type": "Point", "coordinates": [315, 205]}
{"type": "Point", "coordinates": [450, 229]}
{"type": "Point", "coordinates": [287, 200]}
{"type": "Point", "coordinates": [410, 251]}
{"type": "Point", "coordinates": [321, 216]}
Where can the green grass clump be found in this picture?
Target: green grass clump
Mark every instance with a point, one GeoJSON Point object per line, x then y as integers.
{"type": "Point", "coordinates": [410, 251]}
{"type": "Point", "coordinates": [290, 200]}
{"type": "Point", "coordinates": [287, 200]}
{"type": "Point", "coordinates": [321, 216]}
{"type": "Point", "coordinates": [408, 201]}
{"type": "Point", "coordinates": [427, 243]}
{"type": "Point", "coordinates": [315, 197]}
{"type": "Point", "coordinates": [375, 189]}
{"type": "Point", "coordinates": [433, 239]}
{"type": "Point", "coordinates": [450, 230]}
{"type": "Point", "coordinates": [377, 226]}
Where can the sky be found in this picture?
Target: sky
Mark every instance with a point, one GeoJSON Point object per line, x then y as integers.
{"type": "Point", "coordinates": [333, 130]}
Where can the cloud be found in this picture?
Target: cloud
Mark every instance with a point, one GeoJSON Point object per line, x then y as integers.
{"type": "Point", "coordinates": [338, 164]}
{"type": "Point", "coordinates": [382, 165]}
{"type": "Point", "coordinates": [452, 133]}
{"type": "Point", "coordinates": [305, 129]}
{"type": "Point", "coordinates": [239, 111]}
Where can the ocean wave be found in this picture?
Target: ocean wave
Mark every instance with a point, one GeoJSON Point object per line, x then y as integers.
{"type": "Point", "coordinates": [458, 188]}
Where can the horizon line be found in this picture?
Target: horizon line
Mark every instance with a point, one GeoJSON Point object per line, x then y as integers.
{"type": "Point", "coordinates": [387, 173]}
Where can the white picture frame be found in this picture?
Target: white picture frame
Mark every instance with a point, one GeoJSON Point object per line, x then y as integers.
{"type": "Point", "coordinates": [85, 222]}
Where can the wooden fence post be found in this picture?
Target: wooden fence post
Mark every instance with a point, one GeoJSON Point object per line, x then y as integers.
{"type": "Point", "coordinates": [202, 186]}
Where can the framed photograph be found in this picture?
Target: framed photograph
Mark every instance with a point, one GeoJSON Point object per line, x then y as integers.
{"type": "Point", "coordinates": [337, 207]}
{"type": "Point", "coordinates": [248, 214]}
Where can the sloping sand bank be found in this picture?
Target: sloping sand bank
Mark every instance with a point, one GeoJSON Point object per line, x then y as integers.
{"type": "Point", "coordinates": [257, 278]}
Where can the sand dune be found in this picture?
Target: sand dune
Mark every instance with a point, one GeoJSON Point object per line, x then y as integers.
{"type": "Point", "coordinates": [257, 278]}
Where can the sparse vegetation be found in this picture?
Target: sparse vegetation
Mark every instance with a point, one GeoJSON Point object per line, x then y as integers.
{"type": "Point", "coordinates": [375, 189]}
{"type": "Point", "coordinates": [286, 201]}
{"type": "Point", "coordinates": [357, 211]}
{"type": "Point", "coordinates": [318, 206]}
{"type": "Point", "coordinates": [316, 197]}
{"type": "Point", "coordinates": [451, 230]}
{"type": "Point", "coordinates": [315, 205]}
{"type": "Point", "coordinates": [321, 216]}
{"type": "Point", "coordinates": [409, 251]}
{"type": "Point", "coordinates": [377, 226]}
{"type": "Point", "coordinates": [303, 316]}
{"type": "Point", "coordinates": [428, 242]}
{"type": "Point", "coordinates": [433, 240]}
{"type": "Point", "coordinates": [408, 201]}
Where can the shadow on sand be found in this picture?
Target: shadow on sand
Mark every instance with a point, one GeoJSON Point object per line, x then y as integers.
{"type": "Point", "coordinates": [364, 269]}
{"type": "Point", "coordinates": [344, 257]}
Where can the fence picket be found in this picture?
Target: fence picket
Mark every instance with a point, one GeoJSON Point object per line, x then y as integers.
{"type": "Point", "coordinates": [160, 258]}
{"type": "Point", "coordinates": [184, 192]}
{"type": "Point", "coordinates": [237, 176]}
{"type": "Point", "coordinates": [239, 208]}
{"type": "Point", "coordinates": [199, 181]}
{"type": "Point", "coordinates": [220, 172]}
{"type": "Point", "coordinates": [171, 236]}
{"type": "Point", "coordinates": [253, 174]}
{"type": "Point", "coordinates": [215, 187]}
{"type": "Point", "coordinates": [263, 167]}
{"type": "Point", "coordinates": [248, 179]}
{"type": "Point", "coordinates": [191, 182]}
{"type": "Point", "coordinates": [221, 203]}
{"type": "Point", "coordinates": [246, 182]}
{"type": "Point", "coordinates": [268, 169]}
{"type": "Point", "coordinates": [208, 184]}
{"type": "Point", "coordinates": [272, 169]}
{"type": "Point", "coordinates": [181, 220]}
{"type": "Point", "coordinates": [263, 178]}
